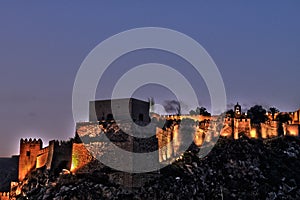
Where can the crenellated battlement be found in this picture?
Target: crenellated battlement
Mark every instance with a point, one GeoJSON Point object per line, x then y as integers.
{"type": "Point", "coordinates": [29, 150]}
{"type": "Point", "coordinates": [242, 120]}
{"type": "Point", "coordinates": [43, 150]}
{"type": "Point", "coordinates": [4, 195]}
{"type": "Point", "coordinates": [74, 155]}
{"type": "Point", "coordinates": [58, 143]}
{"type": "Point", "coordinates": [31, 141]}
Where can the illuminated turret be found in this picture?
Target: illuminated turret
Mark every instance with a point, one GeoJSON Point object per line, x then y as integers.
{"type": "Point", "coordinates": [237, 109]}
{"type": "Point", "coordinates": [29, 150]}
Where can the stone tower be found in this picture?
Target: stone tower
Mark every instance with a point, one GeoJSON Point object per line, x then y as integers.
{"type": "Point", "coordinates": [119, 109]}
{"type": "Point", "coordinates": [29, 150]}
{"type": "Point", "coordinates": [237, 109]}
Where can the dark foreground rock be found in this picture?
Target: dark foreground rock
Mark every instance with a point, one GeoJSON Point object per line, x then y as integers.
{"type": "Point", "coordinates": [234, 169]}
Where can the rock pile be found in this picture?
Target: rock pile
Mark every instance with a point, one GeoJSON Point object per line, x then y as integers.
{"type": "Point", "coordinates": [234, 169]}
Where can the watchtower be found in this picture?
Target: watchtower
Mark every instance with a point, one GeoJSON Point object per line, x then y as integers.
{"type": "Point", "coordinates": [29, 150]}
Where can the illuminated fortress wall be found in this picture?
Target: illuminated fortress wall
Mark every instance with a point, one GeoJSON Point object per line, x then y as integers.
{"type": "Point", "coordinates": [29, 150]}
{"type": "Point", "coordinates": [172, 141]}
{"type": "Point", "coordinates": [227, 129]}
{"type": "Point", "coordinates": [56, 156]}
{"type": "Point", "coordinates": [291, 129]}
{"type": "Point", "coordinates": [296, 117]}
{"type": "Point", "coordinates": [73, 156]}
{"type": "Point", "coordinates": [4, 195]}
{"type": "Point", "coordinates": [42, 157]}
{"type": "Point", "coordinates": [166, 150]}
{"type": "Point", "coordinates": [101, 141]}
{"type": "Point", "coordinates": [269, 129]}
{"type": "Point", "coordinates": [80, 156]}
{"type": "Point", "coordinates": [61, 155]}
{"type": "Point", "coordinates": [241, 126]}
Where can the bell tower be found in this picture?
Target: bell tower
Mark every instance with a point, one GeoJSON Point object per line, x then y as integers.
{"type": "Point", "coordinates": [237, 109]}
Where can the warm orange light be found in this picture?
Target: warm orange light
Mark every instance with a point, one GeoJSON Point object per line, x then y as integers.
{"type": "Point", "coordinates": [293, 133]}
{"type": "Point", "coordinates": [75, 163]}
{"type": "Point", "coordinates": [253, 133]}
{"type": "Point", "coordinates": [198, 140]}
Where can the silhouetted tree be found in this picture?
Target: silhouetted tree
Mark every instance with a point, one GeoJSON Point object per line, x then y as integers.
{"type": "Point", "coordinates": [230, 113]}
{"type": "Point", "coordinates": [257, 114]}
{"type": "Point", "coordinates": [200, 111]}
{"type": "Point", "coordinates": [204, 112]}
{"type": "Point", "coordinates": [273, 111]}
{"type": "Point", "coordinates": [282, 118]}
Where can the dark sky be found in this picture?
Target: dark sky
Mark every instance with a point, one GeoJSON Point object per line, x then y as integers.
{"type": "Point", "coordinates": [255, 46]}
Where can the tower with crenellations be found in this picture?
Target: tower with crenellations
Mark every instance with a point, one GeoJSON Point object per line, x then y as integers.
{"type": "Point", "coordinates": [29, 150]}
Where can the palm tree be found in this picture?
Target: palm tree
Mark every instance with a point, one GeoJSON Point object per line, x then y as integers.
{"type": "Point", "coordinates": [273, 111]}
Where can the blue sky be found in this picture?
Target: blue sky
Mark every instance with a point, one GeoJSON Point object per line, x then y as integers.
{"type": "Point", "coordinates": [254, 44]}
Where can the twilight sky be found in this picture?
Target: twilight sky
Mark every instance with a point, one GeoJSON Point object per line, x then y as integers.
{"type": "Point", "coordinates": [255, 46]}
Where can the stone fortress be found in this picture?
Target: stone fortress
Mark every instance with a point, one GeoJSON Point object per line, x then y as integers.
{"type": "Point", "coordinates": [103, 109]}
{"type": "Point", "coordinates": [73, 155]}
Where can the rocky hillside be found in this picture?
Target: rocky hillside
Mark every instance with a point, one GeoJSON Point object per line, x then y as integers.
{"type": "Point", "coordinates": [8, 172]}
{"type": "Point", "coordinates": [234, 169]}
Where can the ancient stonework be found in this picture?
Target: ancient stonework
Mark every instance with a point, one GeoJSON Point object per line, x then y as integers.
{"type": "Point", "coordinates": [164, 134]}
{"type": "Point", "coordinates": [103, 110]}
{"type": "Point", "coordinates": [4, 195]}
{"type": "Point", "coordinates": [29, 150]}
{"type": "Point", "coordinates": [80, 156]}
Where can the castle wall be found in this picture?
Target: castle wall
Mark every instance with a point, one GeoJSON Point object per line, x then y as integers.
{"type": "Point", "coordinates": [15, 190]}
{"type": "Point", "coordinates": [29, 150]}
{"type": "Point", "coordinates": [253, 133]}
{"type": "Point", "coordinates": [241, 126]}
{"type": "Point", "coordinates": [42, 157]}
{"type": "Point", "coordinates": [199, 137]}
{"type": "Point", "coordinates": [230, 125]}
{"type": "Point", "coordinates": [50, 155]}
{"type": "Point", "coordinates": [75, 156]}
{"type": "Point", "coordinates": [80, 156]}
{"type": "Point", "coordinates": [166, 150]}
{"type": "Point", "coordinates": [140, 109]}
{"type": "Point", "coordinates": [56, 156]}
{"type": "Point", "coordinates": [99, 110]}
{"type": "Point", "coordinates": [296, 117]}
{"type": "Point", "coordinates": [173, 140]}
{"type": "Point", "coordinates": [292, 129]}
{"type": "Point", "coordinates": [62, 154]}
{"type": "Point", "coordinates": [193, 117]}
{"type": "Point", "coordinates": [4, 195]}
{"type": "Point", "coordinates": [269, 129]}
{"type": "Point", "coordinates": [94, 135]}
{"type": "Point", "coordinates": [227, 129]}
